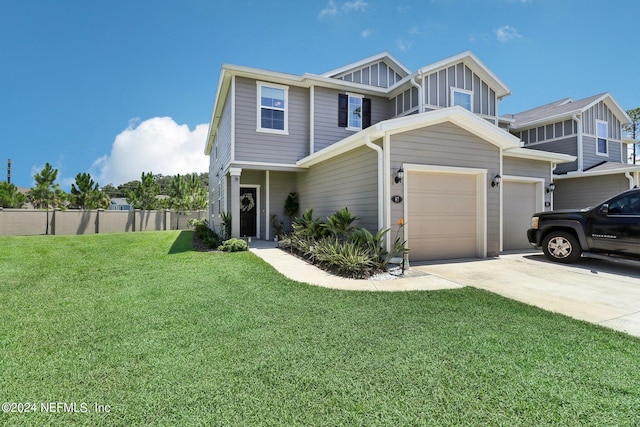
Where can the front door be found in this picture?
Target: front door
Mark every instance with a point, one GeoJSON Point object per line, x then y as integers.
{"type": "Point", "coordinates": [248, 211]}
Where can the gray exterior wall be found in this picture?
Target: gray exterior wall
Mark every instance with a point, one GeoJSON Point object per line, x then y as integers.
{"type": "Point", "coordinates": [280, 185]}
{"type": "Point", "coordinates": [448, 145]}
{"type": "Point", "coordinates": [600, 111]}
{"type": "Point", "coordinates": [437, 86]}
{"type": "Point", "coordinates": [587, 191]}
{"type": "Point", "coordinates": [528, 168]}
{"type": "Point", "coordinates": [349, 180]}
{"type": "Point", "coordinates": [254, 146]}
{"type": "Point", "coordinates": [326, 129]}
{"type": "Point", "coordinates": [589, 156]}
{"type": "Point", "coordinates": [564, 146]}
{"type": "Point", "coordinates": [379, 74]}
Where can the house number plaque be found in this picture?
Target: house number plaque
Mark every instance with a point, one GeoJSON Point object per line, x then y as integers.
{"type": "Point", "coordinates": [396, 199]}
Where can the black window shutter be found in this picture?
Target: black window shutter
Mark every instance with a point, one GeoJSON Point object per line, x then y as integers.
{"type": "Point", "coordinates": [366, 113]}
{"type": "Point", "coordinates": [343, 110]}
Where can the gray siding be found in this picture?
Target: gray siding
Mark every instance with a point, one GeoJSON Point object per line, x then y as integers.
{"type": "Point", "coordinates": [438, 84]}
{"type": "Point", "coordinates": [528, 168]}
{"type": "Point", "coordinates": [405, 101]}
{"type": "Point", "coordinates": [379, 74]}
{"type": "Point", "coordinates": [280, 185]}
{"type": "Point", "coordinates": [448, 145]}
{"type": "Point", "coordinates": [589, 156]}
{"type": "Point", "coordinates": [219, 159]}
{"type": "Point", "coordinates": [582, 192]}
{"type": "Point", "coordinates": [348, 181]}
{"type": "Point", "coordinates": [326, 129]}
{"type": "Point", "coordinates": [600, 111]}
{"type": "Point", "coordinates": [254, 146]}
{"type": "Point", "coordinates": [564, 146]}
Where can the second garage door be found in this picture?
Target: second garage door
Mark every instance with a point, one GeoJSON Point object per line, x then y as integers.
{"type": "Point", "coordinates": [442, 216]}
{"type": "Point", "coordinates": [519, 204]}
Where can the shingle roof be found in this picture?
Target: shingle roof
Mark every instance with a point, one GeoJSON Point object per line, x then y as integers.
{"type": "Point", "coordinates": [559, 108]}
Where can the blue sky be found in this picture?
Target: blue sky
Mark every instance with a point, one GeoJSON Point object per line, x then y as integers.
{"type": "Point", "coordinates": [118, 87]}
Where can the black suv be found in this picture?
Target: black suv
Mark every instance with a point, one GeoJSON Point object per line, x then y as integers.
{"type": "Point", "coordinates": [611, 229]}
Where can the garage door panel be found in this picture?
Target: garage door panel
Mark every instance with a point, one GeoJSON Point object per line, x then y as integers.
{"type": "Point", "coordinates": [442, 215]}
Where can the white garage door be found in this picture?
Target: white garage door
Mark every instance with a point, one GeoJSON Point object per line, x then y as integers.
{"type": "Point", "coordinates": [442, 216]}
{"type": "Point", "coordinates": [519, 204]}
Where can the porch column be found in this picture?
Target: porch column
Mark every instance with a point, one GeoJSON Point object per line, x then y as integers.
{"type": "Point", "coordinates": [235, 201]}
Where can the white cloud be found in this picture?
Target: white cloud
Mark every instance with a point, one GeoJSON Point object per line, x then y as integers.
{"type": "Point", "coordinates": [507, 33]}
{"type": "Point", "coordinates": [158, 145]}
{"type": "Point", "coordinates": [404, 45]}
{"type": "Point", "coordinates": [330, 10]}
{"type": "Point", "coordinates": [351, 6]}
{"type": "Point", "coordinates": [355, 5]}
{"type": "Point", "coordinates": [365, 33]}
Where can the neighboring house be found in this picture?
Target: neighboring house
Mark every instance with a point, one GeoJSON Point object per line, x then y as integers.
{"type": "Point", "coordinates": [591, 129]}
{"type": "Point", "coordinates": [119, 204]}
{"type": "Point", "coordinates": [362, 134]}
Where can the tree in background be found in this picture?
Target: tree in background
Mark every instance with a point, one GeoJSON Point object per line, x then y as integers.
{"type": "Point", "coordinates": [10, 197]}
{"type": "Point", "coordinates": [633, 129]}
{"type": "Point", "coordinates": [179, 199]}
{"type": "Point", "coordinates": [144, 195]}
{"type": "Point", "coordinates": [46, 194]}
{"type": "Point", "coordinates": [187, 194]}
{"type": "Point", "coordinates": [86, 194]}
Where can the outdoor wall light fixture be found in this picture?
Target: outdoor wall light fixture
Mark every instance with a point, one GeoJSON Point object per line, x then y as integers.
{"type": "Point", "coordinates": [551, 187]}
{"type": "Point", "coordinates": [496, 180]}
{"type": "Point", "coordinates": [399, 175]}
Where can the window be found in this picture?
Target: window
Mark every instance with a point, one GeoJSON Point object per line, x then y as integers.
{"type": "Point", "coordinates": [461, 97]}
{"type": "Point", "coordinates": [601, 140]}
{"type": "Point", "coordinates": [354, 111]}
{"type": "Point", "coordinates": [272, 108]}
{"type": "Point", "coordinates": [627, 205]}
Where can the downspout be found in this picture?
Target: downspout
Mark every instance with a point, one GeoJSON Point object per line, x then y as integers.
{"type": "Point", "coordinates": [580, 148]}
{"type": "Point", "coordinates": [378, 149]}
{"type": "Point", "coordinates": [420, 94]}
{"type": "Point", "coordinates": [631, 180]}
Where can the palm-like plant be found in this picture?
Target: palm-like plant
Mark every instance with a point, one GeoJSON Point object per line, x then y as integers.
{"type": "Point", "coordinates": [340, 224]}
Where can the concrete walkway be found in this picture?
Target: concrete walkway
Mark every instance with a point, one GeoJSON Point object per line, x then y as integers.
{"type": "Point", "coordinates": [599, 292]}
{"type": "Point", "coordinates": [296, 269]}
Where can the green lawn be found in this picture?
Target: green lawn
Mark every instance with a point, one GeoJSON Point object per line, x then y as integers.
{"type": "Point", "coordinates": [165, 335]}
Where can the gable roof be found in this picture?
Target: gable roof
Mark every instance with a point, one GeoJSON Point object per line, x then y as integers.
{"type": "Point", "coordinates": [564, 109]}
{"type": "Point", "coordinates": [477, 66]}
{"type": "Point", "coordinates": [385, 57]}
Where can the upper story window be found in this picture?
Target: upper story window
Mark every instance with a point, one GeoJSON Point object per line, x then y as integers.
{"type": "Point", "coordinates": [354, 111]}
{"type": "Point", "coordinates": [601, 138]}
{"type": "Point", "coordinates": [461, 97]}
{"type": "Point", "coordinates": [272, 108]}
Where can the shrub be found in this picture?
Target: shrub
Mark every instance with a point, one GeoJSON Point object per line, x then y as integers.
{"type": "Point", "coordinates": [207, 236]}
{"type": "Point", "coordinates": [347, 258]}
{"type": "Point", "coordinates": [234, 245]}
{"type": "Point", "coordinates": [340, 223]}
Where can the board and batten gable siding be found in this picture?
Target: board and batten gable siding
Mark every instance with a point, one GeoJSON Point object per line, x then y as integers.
{"type": "Point", "coordinates": [349, 180]}
{"type": "Point", "coordinates": [254, 146]}
{"type": "Point", "coordinates": [587, 191]}
{"type": "Point", "coordinates": [437, 87]}
{"type": "Point", "coordinates": [600, 111]}
{"type": "Point", "coordinates": [591, 159]}
{"type": "Point", "coordinates": [446, 144]}
{"type": "Point", "coordinates": [379, 74]}
{"type": "Point", "coordinates": [326, 129]}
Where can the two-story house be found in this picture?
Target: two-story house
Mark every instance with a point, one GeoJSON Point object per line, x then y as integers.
{"type": "Point", "coordinates": [389, 144]}
{"type": "Point", "coordinates": [591, 129]}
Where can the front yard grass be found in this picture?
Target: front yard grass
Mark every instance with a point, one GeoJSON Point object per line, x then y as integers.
{"type": "Point", "coordinates": [164, 335]}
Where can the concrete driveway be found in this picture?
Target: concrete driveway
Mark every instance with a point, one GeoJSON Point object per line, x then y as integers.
{"type": "Point", "coordinates": [601, 292]}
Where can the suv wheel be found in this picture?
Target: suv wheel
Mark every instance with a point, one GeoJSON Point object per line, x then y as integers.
{"type": "Point", "coordinates": [560, 246]}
